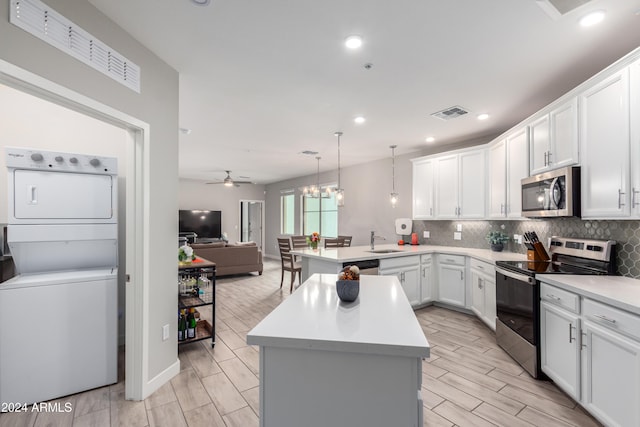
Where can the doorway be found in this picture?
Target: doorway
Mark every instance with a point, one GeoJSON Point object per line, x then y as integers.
{"type": "Point", "coordinates": [252, 221]}
{"type": "Point", "coordinates": [136, 135]}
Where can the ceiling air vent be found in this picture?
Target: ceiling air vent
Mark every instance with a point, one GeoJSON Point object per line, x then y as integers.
{"type": "Point", "coordinates": [450, 113]}
{"type": "Point", "coordinates": [557, 8]}
{"type": "Point", "coordinates": [40, 20]}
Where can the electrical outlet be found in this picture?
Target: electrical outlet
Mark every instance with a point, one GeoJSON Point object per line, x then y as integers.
{"type": "Point", "coordinates": [458, 228]}
{"type": "Point", "coordinates": [426, 234]}
{"type": "Point", "coordinates": [457, 235]}
{"type": "Point", "coordinates": [165, 332]}
{"type": "Point", "coordinates": [517, 238]}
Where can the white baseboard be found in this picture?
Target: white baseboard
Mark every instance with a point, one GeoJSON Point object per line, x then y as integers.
{"type": "Point", "coordinates": [161, 379]}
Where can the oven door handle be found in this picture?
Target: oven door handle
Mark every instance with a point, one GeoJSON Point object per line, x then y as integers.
{"type": "Point", "coordinates": [521, 277]}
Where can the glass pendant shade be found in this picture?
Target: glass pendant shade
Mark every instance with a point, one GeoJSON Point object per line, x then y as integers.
{"type": "Point", "coordinates": [340, 197]}
{"type": "Point", "coordinates": [394, 196]}
{"type": "Point", "coordinates": [339, 190]}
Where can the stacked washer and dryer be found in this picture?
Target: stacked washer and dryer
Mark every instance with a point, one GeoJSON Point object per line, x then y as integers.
{"type": "Point", "coordinates": [58, 317]}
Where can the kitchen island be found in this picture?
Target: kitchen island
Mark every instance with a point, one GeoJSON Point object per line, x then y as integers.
{"type": "Point", "coordinates": [328, 363]}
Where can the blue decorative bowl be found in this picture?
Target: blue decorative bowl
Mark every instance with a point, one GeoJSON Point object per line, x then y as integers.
{"type": "Point", "coordinates": [348, 290]}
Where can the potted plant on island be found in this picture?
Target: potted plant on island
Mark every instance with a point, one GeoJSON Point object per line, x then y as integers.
{"type": "Point", "coordinates": [497, 239]}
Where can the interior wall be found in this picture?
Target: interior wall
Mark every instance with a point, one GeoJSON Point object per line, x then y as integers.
{"type": "Point", "coordinates": [157, 105]}
{"type": "Point", "coordinates": [195, 194]}
{"type": "Point", "coordinates": [367, 189]}
{"type": "Point", "coordinates": [31, 122]}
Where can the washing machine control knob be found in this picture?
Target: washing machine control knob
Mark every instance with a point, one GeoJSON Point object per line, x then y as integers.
{"type": "Point", "coordinates": [94, 162]}
{"type": "Point", "coordinates": [73, 160]}
{"type": "Point", "coordinates": [37, 157]}
{"type": "Point", "coordinates": [59, 159]}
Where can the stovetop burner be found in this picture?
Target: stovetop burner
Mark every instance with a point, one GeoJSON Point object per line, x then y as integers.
{"type": "Point", "coordinates": [570, 256]}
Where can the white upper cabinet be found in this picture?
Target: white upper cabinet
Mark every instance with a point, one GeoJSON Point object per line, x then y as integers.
{"type": "Point", "coordinates": [460, 185]}
{"type": "Point", "coordinates": [423, 189]}
{"type": "Point", "coordinates": [553, 139]}
{"type": "Point", "coordinates": [517, 168]}
{"type": "Point", "coordinates": [508, 164]}
{"type": "Point", "coordinates": [634, 106]}
{"type": "Point", "coordinates": [605, 148]}
{"type": "Point", "coordinates": [497, 179]}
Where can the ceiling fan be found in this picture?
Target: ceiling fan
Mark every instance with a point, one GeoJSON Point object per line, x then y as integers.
{"type": "Point", "coordinates": [230, 182]}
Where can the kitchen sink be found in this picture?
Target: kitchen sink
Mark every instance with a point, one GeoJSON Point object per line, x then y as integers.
{"type": "Point", "coordinates": [384, 251]}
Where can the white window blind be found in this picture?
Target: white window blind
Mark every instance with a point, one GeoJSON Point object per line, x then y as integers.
{"type": "Point", "coordinates": [48, 25]}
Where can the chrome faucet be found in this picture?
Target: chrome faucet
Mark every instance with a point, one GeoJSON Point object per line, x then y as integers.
{"type": "Point", "coordinates": [373, 238]}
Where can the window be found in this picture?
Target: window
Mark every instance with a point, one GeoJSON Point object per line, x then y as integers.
{"type": "Point", "coordinates": [321, 215]}
{"type": "Point", "coordinates": [287, 212]}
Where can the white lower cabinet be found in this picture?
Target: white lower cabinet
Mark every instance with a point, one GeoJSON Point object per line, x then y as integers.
{"type": "Point", "coordinates": [407, 270]}
{"type": "Point", "coordinates": [559, 348]}
{"type": "Point", "coordinates": [483, 292]}
{"type": "Point", "coordinates": [451, 280]}
{"type": "Point", "coordinates": [593, 354]}
{"type": "Point", "coordinates": [426, 279]}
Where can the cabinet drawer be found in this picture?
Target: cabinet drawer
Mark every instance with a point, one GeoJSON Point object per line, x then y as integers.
{"type": "Point", "coordinates": [425, 259]}
{"type": "Point", "coordinates": [484, 267]}
{"type": "Point", "coordinates": [401, 261]}
{"type": "Point", "coordinates": [560, 297]}
{"type": "Point", "coordinates": [611, 317]}
{"type": "Point", "coordinates": [451, 259]}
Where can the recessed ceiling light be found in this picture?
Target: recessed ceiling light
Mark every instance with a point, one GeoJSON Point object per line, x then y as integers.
{"type": "Point", "coordinates": [359, 120]}
{"type": "Point", "coordinates": [201, 2]}
{"type": "Point", "coordinates": [430, 139]}
{"type": "Point", "coordinates": [353, 42]}
{"type": "Point", "coordinates": [483, 116]}
{"type": "Point", "coordinates": [592, 18]}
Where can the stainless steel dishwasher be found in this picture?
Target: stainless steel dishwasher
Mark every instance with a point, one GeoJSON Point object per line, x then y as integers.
{"type": "Point", "coordinates": [368, 267]}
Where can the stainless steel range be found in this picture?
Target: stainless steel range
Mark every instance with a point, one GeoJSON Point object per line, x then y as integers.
{"type": "Point", "coordinates": [518, 292]}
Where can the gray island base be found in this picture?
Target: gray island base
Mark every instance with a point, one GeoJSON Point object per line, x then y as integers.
{"type": "Point", "coordinates": [328, 363]}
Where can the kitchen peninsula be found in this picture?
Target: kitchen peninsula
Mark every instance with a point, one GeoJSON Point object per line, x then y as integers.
{"type": "Point", "coordinates": [328, 363]}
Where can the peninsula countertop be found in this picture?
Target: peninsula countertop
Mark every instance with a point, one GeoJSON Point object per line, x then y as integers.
{"type": "Point", "coordinates": [380, 321]}
{"type": "Point", "coordinates": [361, 253]}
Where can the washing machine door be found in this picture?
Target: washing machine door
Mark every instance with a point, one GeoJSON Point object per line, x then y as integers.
{"type": "Point", "coordinates": [62, 197]}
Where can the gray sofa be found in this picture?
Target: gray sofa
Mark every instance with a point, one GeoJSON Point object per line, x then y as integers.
{"type": "Point", "coordinates": [229, 258]}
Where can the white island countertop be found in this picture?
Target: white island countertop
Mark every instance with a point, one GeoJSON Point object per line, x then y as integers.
{"type": "Point", "coordinates": [380, 321]}
{"type": "Point", "coordinates": [617, 291]}
{"type": "Point", "coordinates": [361, 253]}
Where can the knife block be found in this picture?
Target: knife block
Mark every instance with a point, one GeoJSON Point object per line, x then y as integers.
{"type": "Point", "coordinates": [538, 253]}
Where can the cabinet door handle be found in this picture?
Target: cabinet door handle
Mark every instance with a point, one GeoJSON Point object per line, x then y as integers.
{"type": "Point", "coordinates": [549, 158]}
{"type": "Point", "coordinates": [501, 208]}
{"type": "Point", "coordinates": [461, 278]}
{"type": "Point", "coordinates": [430, 211]}
{"type": "Point", "coordinates": [620, 194]}
{"type": "Point", "coordinates": [479, 283]}
{"type": "Point", "coordinates": [633, 197]}
{"type": "Point", "coordinates": [583, 338]}
{"type": "Point", "coordinates": [553, 297]}
{"type": "Point", "coordinates": [571, 338]}
{"type": "Point", "coordinates": [605, 318]}
{"type": "Point", "coordinates": [545, 157]}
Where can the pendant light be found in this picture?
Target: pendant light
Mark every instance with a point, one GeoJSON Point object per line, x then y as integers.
{"type": "Point", "coordinates": [314, 190]}
{"type": "Point", "coordinates": [339, 190]}
{"type": "Point", "coordinates": [394, 195]}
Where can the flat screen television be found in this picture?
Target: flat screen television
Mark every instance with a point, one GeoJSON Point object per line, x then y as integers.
{"type": "Point", "coordinates": [206, 224]}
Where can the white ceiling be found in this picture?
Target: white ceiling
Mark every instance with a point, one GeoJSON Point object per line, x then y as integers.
{"type": "Point", "coordinates": [263, 80]}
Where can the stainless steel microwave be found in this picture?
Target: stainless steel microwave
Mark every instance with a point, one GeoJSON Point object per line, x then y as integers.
{"type": "Point", "coordinates": [552, 194]}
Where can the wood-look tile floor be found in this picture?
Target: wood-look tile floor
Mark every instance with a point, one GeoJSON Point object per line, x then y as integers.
{"type": "Point", "coordinates": [468, 381]}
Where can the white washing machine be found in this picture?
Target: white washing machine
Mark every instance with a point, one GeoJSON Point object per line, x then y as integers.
{"type": "Point", "coordinates": [58, 317]}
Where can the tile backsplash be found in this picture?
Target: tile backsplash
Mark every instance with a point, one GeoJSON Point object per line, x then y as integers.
{"type": "Point", "coordinates": [625, 233]}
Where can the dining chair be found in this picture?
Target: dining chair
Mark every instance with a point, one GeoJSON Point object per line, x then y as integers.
{"type": "Point", "coordinates": [346, 240]}
{"type": "Point", "coordinates": [288, 262]}
{"type": "Point", "coordinates": [334, 243]}
{"type": "Point", "coordinates": [299, 242]}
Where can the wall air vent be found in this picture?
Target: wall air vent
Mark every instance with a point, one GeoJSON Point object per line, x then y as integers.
{"type": "Point", "coordinates": [450, 113]}
{"type": "Point", "coordinates": [557, 8]}
{"type": "Point", "coordinates": [40, 20]}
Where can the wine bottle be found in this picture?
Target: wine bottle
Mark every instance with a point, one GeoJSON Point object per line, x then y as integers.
{"type": "Point", "coordinates": [191, 324]}
{"type": "Point", "coordinates": [182, 326]}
